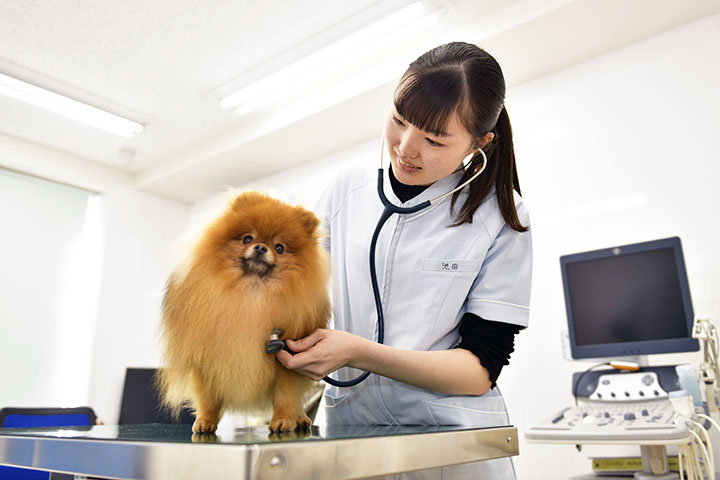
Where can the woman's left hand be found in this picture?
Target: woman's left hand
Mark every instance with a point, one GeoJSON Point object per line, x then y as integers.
{"type": "Point", "coordinates": [320, 353]}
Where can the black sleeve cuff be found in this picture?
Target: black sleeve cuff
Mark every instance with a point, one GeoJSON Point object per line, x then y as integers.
{"type": "Point", "coordinates": [492, 342]}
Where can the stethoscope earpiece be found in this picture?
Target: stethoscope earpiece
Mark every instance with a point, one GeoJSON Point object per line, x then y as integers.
{"type": "Point", "coordinates": [469, 158]}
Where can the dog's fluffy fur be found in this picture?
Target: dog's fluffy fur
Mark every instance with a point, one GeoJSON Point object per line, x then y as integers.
{"type": "Point", "coordinates": [259, 266]}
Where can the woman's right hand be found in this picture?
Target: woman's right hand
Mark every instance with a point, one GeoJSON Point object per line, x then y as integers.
{"type": "Point", "coordinates": [321, 353]}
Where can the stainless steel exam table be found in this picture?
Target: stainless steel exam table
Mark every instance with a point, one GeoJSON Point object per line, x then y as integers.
{"type": "Point", "coordinates": [159, 452]}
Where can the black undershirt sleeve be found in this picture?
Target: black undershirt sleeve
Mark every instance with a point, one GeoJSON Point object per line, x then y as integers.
{"type": "Point", "coordinates": [492, 342]}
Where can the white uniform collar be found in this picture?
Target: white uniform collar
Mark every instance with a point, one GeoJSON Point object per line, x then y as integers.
{"type": "Point", "coordinates": [438, 188]}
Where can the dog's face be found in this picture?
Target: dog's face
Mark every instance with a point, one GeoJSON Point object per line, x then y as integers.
{"type": "Point", "coordinates": [263, 238]}
{"type": "Point", "coordinates": [259, 253]}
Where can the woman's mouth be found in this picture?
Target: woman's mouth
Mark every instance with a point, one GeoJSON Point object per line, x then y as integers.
{"type": "Point", "coordinates": [406, 164]}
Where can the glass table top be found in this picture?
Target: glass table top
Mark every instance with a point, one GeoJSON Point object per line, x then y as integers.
{"type": "Point", "coordinates": [233, 436]}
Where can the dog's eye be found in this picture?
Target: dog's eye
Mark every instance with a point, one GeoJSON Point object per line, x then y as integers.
{"type": "Point", "coordinates": [247, 239]}
{"type": "Point", "coordinates": [279, 248]}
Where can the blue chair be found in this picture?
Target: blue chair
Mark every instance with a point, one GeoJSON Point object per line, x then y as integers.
{"type": "Point", "coordinates": [38, 418]}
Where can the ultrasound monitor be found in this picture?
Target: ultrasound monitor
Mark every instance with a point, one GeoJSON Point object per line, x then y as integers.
{"type": "Point", "coordinates": [631, 300]}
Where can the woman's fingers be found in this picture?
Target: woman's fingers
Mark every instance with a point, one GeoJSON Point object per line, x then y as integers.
{"type": "Point", "coordinates": [319, 354]}
{"type": "Point", "coordinates": [302, 344]}
{"type": "Point", "coordinates": [284, 357]}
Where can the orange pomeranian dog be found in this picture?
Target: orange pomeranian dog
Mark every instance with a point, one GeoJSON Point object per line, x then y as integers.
{"type": "Point", "coordinates": [258, 267]}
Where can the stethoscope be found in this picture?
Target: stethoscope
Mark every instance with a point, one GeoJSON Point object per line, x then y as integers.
{"type": "Point", "coordinates": [276, 344]}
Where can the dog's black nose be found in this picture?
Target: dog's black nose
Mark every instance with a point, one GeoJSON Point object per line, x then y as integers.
{"type": "Point", "coordinates": [260, 249]}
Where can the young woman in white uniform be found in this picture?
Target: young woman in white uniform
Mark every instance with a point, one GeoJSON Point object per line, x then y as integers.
{"type": "Point", "coordinates": [454, 281]}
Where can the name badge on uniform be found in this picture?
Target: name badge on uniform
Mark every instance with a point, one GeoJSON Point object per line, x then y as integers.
{"type": "Point", "coordinates": [451, 266]}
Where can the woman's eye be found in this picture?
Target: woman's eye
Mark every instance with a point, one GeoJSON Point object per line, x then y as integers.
{"type": "Point", "coordinates": [247, 239]}
{"type": "Point", "coordinates": [279, 248]}
{"type": "Point", "coordinates": [397, 121]}
{"type": "Point", "coordinates": [434, 143]}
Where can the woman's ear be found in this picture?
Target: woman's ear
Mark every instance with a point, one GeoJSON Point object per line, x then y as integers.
{"type": "Point", "coordinates": [481, 142]}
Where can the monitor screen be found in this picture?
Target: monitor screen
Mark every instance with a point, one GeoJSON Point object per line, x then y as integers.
{"type": "Point", "coordinates": [630, 300]}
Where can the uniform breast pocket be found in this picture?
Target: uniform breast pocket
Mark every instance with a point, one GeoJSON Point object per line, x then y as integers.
{"type": "Point", "coordinates": [450, 280]}
{"type": "Point", "coordinates": [445, 284]}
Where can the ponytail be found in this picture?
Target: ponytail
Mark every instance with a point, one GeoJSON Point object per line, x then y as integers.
{"type": "Point", "coordinates": [501, 171]}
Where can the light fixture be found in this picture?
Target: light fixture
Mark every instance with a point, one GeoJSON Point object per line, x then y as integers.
{"type": "Point", "coordinates": [68, 107]}
{"type": "Point", "coordinates": [327, 59]}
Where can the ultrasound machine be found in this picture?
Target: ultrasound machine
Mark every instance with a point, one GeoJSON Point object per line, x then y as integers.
{"type": "Point", "coordinates": [623, 304]}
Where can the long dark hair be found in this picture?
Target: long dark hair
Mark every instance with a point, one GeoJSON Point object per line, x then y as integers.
{"type": "Point", "coordinates": [463, 78]}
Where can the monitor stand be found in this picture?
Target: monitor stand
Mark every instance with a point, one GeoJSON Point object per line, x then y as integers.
{"type": "Point", "coordinates": [641, 360]}
{"type": "Point", "coordinates": [655, 464]}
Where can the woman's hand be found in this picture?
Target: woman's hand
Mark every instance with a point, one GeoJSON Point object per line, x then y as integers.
{"type": "Point", "coordinates": [320, 353]}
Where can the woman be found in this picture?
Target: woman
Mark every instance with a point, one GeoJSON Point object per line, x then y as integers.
{"type": "Point", "coordinates": [454, 280]}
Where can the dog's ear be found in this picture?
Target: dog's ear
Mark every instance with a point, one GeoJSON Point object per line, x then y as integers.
{"type": "Point", "coordinates": [308, 220]}
{"type": "Point", "coordinates": [247, 199]}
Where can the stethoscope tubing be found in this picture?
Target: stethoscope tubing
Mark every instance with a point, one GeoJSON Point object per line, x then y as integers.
{"type": "Point", "coordinates": [387, 212]}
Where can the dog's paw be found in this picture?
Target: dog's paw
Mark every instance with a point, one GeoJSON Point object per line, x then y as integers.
{"type": "Point", "coordinates": [203, 425]}
{"type": "Point", "coordinates": [283, 424]}
{"type": "Point", "coordinates": [204, 438]}
{"type": "Point", "coordinates": [288, 436]}
{"type": "Point", "coordinates": [304, 423]}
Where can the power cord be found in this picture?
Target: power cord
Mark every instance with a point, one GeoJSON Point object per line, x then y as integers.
{"type": "Point", "coordinates": [577, 383]}
{"type": "Point", "coordinates": [695, 458]}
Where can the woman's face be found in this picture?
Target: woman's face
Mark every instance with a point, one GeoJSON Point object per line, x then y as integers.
{"type": "Point", "coordinates": [421, 158]}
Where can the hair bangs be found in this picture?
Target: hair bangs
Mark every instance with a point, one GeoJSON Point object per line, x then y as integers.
{"type": "Point", "coordinates": [429, 99]}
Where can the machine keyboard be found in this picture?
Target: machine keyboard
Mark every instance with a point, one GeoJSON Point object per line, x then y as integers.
{"type": "Point", "coordinates": [612, 421]}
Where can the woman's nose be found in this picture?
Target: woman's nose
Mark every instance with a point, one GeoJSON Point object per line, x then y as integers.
{"type": "Point", "coordinates": [409, 147]}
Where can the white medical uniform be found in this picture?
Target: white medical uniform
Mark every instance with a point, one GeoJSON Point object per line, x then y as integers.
{"type": "Point", "coordinates": [429, 275]}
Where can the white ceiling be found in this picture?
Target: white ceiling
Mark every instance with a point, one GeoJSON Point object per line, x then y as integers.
{"type": "Point", "coordinates": [165, 63]}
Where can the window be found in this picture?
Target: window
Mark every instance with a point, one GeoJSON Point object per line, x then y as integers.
{"type": "Point", "coordinates": [50, 251]}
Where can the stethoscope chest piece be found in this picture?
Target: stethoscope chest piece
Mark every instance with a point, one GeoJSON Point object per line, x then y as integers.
{"type": "Point", "coordinates": [275, 344]}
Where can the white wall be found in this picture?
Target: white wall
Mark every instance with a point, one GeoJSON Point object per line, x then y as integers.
{"type": "Point", "coordinates": [619, 149]}
{"type": "Point", "coordinates": [139, 230]}
{"type": "Point", "coordinates": [304, 184]}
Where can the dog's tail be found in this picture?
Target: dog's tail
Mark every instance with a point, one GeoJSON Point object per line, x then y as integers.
{"type": "Point", "coordinates": [173, 390]}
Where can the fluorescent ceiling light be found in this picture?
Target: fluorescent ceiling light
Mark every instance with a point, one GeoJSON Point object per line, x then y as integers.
{"type": "Point", "coordinates": [307, 105]}
{"type": "Point", "coordinates": [327, 59]}
{"type": "Point", "coordinates": [68, 107]}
